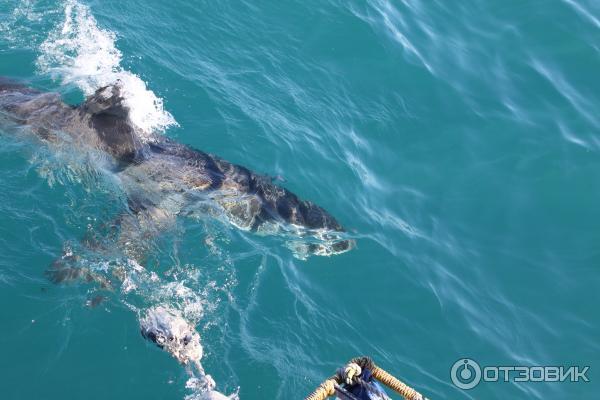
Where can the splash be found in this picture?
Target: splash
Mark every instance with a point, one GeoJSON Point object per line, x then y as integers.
{"type": "Point", "coordinates": [170, 324]}
{"type": "Point", "coordinates": [79, 52]}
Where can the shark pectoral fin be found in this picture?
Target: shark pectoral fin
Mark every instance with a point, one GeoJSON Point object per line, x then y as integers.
{"type": "Point", "coordinates": [68, 269]}
{"type": "Point", "coordinates": [74, 264]}
{"type": "Point", "coordinates": [64, 270]}
{"type": "Point", "coordinates": [132, 234]}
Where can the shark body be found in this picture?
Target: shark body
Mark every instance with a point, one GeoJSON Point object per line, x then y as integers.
{"type": "Point", "coordinates": [163, 178]}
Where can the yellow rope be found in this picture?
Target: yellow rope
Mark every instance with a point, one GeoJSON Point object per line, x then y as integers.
{"type": "Point", "coordinates": [327, 388]}
{"type": "Point", "coordinates": [399, 387]}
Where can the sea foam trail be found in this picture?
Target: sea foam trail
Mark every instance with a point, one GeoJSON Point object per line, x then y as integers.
{"type": "Point", "coordinates": [77, 51]}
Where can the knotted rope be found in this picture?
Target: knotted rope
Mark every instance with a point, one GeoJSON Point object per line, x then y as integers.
{"type": "Point", "coordinates": [350, 374]}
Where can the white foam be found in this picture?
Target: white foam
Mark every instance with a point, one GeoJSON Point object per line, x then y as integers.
{"type": "Point", "coordinates": [79, 52]}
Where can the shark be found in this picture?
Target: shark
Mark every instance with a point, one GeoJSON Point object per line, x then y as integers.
{"type": "Point", "coordinates": [163, 180]}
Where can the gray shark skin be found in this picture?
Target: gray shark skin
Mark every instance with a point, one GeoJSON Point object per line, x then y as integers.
{"type": "Point", "coordinates": [163, 178]}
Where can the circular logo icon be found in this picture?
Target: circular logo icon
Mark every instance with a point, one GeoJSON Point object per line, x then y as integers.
{"type": "Point", "coordinates": [465, 374]}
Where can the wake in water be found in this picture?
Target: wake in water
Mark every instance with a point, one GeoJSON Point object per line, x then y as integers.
{"type": "Point", "coordinates": [79, 52]}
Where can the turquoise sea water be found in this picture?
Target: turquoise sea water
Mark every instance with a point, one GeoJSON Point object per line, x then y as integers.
{"type": "Point", "coordinates": [459, 143]}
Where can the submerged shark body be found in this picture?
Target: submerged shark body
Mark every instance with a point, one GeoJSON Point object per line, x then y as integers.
{"type": "Point", "coordinates": [163, 178]}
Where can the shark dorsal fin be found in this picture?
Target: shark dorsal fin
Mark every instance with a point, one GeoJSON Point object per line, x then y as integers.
{"type": "Point", "coordinates": [107, 114]}
{"type": "Point", "coordinates": [107, 100]}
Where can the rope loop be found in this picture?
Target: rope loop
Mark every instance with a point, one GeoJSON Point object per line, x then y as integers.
{"type": "Point", "coordinates": [350, 375]}
{"type": "Point", "coordinates": [350, 372]}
